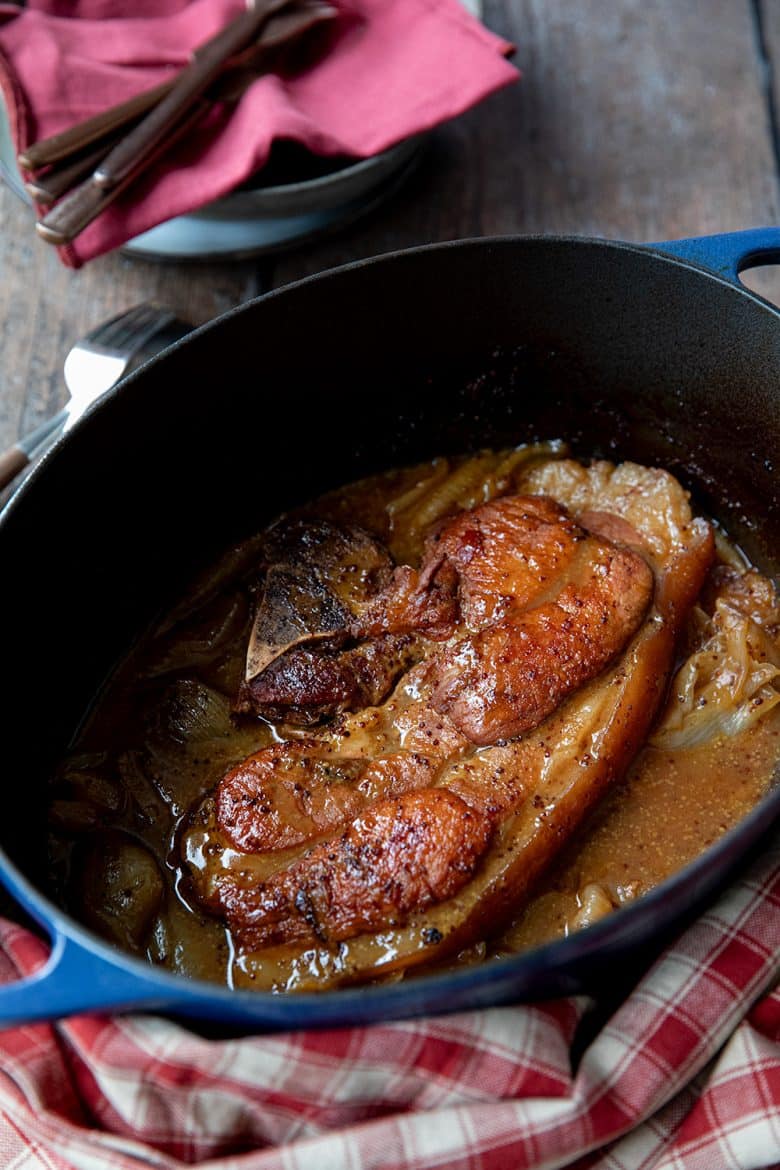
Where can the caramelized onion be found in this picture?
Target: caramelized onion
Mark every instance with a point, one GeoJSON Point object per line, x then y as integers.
{"type": "Point", "coordinates": [450, 488]}
{"type": "Point", "coordinates": [121, 889]}
{"type": "Point", "coordinates": [727, 685]}
{"type": "Point", "coordinates": [202, 641]}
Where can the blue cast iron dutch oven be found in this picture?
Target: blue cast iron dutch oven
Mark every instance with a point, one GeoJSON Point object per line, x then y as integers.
{"type": "Point", "coordinates": [654, 353]}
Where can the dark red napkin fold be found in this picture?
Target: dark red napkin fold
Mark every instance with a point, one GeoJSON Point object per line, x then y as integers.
{"type": "Point", "coordinates": [394, 68]}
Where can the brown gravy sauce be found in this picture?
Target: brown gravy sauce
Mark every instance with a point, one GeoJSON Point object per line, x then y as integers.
{"type": "Point", "coordinates": [161, 737]}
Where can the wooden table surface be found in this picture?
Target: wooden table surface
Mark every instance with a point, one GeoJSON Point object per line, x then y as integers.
{"type": "Point", "coordinates": [637, 120]}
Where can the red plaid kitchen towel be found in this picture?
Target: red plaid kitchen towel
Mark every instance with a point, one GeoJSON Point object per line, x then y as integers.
{"type": "Point", "coordinates": [684, 1076]}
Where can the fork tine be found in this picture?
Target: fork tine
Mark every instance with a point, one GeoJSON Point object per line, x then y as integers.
{"type": "Point", "coordinates": [115, 334]}
{"type": "Point", "coordinates": [100, 359]}
{"type": "Point", "coordinates": [146, 328]}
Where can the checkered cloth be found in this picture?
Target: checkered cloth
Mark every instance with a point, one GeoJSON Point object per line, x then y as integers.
{"type": "Point", "coordinates": [685, 1075]}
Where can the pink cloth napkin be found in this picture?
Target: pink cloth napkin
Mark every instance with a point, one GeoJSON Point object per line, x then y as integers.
{"type": "Point", "coordinates": [684, 1075]}
{"type": "Point", "coordinates": [394, 68]}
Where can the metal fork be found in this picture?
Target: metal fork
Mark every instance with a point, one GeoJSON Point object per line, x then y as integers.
{"type": "Point", "coordinates": [96, 363]}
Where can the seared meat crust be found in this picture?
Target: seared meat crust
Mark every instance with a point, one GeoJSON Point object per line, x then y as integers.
{"type": "Point", "coordinates": [402, 855]}
{"type": "Point", "coordinates": [546, 606]}
{"type": "Point", "coordinates": [306, 685]}
{"type": "Point", "coordinates": [507, 678]}
{"type": "Point", "coordinates": [475, 565]}
{"type": "Point", "coordinates": [508, 554]}
{"type": "Point", "coordinates": [292, 792]}
{"type": "Point", "coordinates": [481, 570]}
{"type": "Point", "coordinates": [423, 602]}
{"type": "Point", "coordinates": [302, 663]}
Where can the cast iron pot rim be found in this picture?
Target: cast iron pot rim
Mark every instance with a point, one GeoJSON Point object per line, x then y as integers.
{"type": "Point", "coordinates": [653, 253]}
{"type": "Point", "coordinates": [547, 959]}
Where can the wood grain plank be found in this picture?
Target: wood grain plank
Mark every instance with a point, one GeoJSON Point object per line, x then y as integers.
{"type": "Point", "coordinates": [45, 307]}
{"type": "Point", "coordinates": [766, 14]}
{"type": "Point", "coordinates": [640, 120]}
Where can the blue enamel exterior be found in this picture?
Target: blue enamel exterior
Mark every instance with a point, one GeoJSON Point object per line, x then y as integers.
{"type": "Point", "coordinates": [730, 253]}
{"type": "Point", "coordinates": [83, 974]}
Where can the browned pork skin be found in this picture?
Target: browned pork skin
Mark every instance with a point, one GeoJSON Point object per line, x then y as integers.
{"type": "Point", "coordinates": [548, 606]}
{"type": "Point", "coordinates": [507, 678]}
{"type": "Point", "coordinates": [401, 855]}
{"type": "Point", "coordinates": [292, 792]}
{"type": "Point", "coordinates": [502, 554]}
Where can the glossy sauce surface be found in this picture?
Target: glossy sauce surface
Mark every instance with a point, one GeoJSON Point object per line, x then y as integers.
{"type": "Point", "coordinates": [133, 835]}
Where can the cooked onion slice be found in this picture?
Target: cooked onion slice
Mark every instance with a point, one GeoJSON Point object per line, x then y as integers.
{"type": "Point", "coordinates": [729, 684]}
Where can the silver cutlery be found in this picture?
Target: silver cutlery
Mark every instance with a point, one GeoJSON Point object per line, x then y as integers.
{"type": "Point", "coordinates": [95, 364]}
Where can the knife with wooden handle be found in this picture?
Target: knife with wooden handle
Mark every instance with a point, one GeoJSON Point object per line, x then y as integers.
{"type": "Point", "coordinates": [189, 87]}
{"type": "Point", "coordinates": [88, 200]}
{"type": "Point", "coordinates": [60, 146]}
{"type": "Point", "coordinates": [56, 148]}
{"type": "Point", "coordinates": [207, 62]}
{"type": "Point", "coordinates": [67, 158]}
{"type": "Point", "coordinates": [16, 457]}
{"type": "Point", "coordinates": [61, 177]}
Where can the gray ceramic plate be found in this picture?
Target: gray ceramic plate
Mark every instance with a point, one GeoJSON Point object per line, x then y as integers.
{"type": "Point", "coordinates": [254, 220]}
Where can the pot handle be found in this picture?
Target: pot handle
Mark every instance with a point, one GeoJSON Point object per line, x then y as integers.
{"type": "Point", "coordinates": [730, 253]}
{"type": "Point", "coordinates": [74, 980]}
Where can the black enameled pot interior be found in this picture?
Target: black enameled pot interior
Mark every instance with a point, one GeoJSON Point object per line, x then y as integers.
{"type": "Point", "coordinates": [624, 353]}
